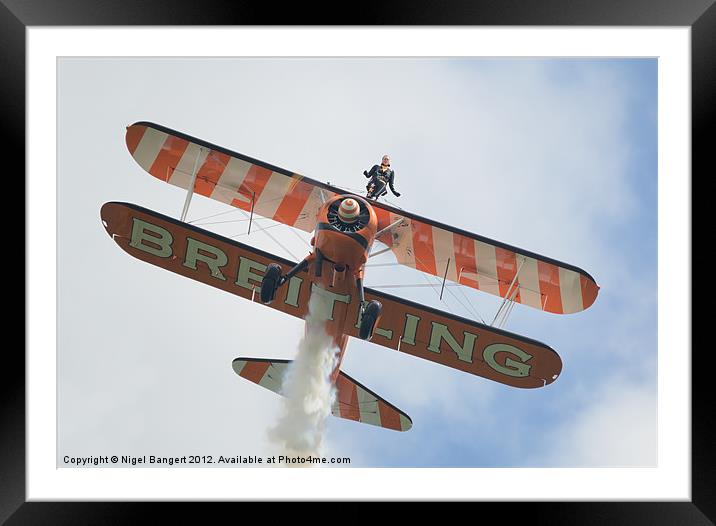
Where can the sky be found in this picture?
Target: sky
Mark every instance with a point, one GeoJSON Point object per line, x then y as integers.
{"type": "Point", "coordinates": [555, 156]}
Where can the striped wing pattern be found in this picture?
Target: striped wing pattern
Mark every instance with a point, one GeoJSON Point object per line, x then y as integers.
{"type": "Point", "coordinates": [440, 250]}
{"type": "Point", "coordinates": [486, 265]}
{"type": "Point", "coordinates": [226, 176]}
{"type": "Point", "coordinates": [353, 400]}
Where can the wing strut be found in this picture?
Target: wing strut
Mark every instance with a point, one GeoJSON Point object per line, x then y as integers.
{"type": "Point", "coordinates": [190, 190]}
{"type": "Point", "coordinates": [378, 252]}
{"type": "Point", "coordinates": [390, 227]}
{"type": "Point", "coordinates": [509, 295]}
{"type": "Point", "coordinates": [444, 278]}
{"type": "Point", "coordinates": [251, 218]}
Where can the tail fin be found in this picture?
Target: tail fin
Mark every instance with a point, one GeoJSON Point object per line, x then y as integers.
{"type": "Point", "coordinates": [353, 400]}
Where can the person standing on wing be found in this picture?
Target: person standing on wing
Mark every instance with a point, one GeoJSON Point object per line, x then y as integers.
{"type": "Point", "coordinates": [380, 177]}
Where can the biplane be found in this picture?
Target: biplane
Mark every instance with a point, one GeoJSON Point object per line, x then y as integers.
{"type": "Point", "coordinates": [345, 227]}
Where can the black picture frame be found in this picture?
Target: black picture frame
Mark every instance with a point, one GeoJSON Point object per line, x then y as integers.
{"type": "Point", "coordinates": [699, 15]}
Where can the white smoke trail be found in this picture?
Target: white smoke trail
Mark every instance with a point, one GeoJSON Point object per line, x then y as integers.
{"type": "Point", "coordinates": [307, 389]}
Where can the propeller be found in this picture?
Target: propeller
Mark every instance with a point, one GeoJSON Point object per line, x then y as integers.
{"type": "Point", "coordinates": [348, 215]}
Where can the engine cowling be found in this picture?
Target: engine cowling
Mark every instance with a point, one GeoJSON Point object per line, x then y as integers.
{"type": "Point", "coordinates": [345, 230]}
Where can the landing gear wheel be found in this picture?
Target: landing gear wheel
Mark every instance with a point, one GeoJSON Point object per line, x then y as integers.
{"type": "Point", "coordinates": [369, 320]}
{"type": "Point", "coordinates": [271, 281]}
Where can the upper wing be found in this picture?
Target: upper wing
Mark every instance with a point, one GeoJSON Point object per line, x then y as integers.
{"type": "Point", "coordinates": [441, 250]}
{"type": "Point", "coordinates": [227, 176]}
{"type": "Point", "coordinates": [485, 264]}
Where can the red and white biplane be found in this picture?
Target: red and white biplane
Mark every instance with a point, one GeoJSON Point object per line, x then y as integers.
{"type": "Point", "coordinates": [344, 227]}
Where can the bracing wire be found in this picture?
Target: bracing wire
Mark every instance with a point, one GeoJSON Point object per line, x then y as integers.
{"type": "Point", "coordinates": [233, 210]}
{"type": "Point", "coordinates": [299, 237]}
{"type": "Point", "coordinates": [270, 236]}
{"type": "Point", "coordinates": [257, 230]}
{"type": "Point", "coordinates": [229, 221]}
{"type": "Point", "coordinates": [468, 309]}
{"type": "Point", "coordinates": [474, 311]}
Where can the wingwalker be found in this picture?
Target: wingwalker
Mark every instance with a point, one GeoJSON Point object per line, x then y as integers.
{"type": "Point", "coordinates": [345, 227]}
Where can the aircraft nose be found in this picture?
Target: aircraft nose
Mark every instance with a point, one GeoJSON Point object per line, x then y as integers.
{"type": "Point", "coordinates": [348, 210]}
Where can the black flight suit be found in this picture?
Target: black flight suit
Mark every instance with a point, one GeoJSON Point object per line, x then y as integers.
{"type": "Point", "coordinates": [381, 179]}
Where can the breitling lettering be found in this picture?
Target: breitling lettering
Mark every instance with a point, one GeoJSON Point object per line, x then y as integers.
{"type": "Point", "coordinates": [150, 238]}
{"type": "Point", "coordinates": [410, 329]}
{"type": "Point", "coordinates": [441, 332]}
{"type": "Point", "coordinates": [246, 265]}
{"type": "Point", "coordinates": [217, 259]}
{"type": "Point", "coordinates": [294, 289]}
{"type": "Point", "coordinates": [510, 367]}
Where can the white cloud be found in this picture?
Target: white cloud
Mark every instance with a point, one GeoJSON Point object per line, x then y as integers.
{"type": "Point", "coordinates": [615, 427]}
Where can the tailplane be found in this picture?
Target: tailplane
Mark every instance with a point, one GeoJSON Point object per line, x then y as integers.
{"type": "Point", "coordinates": [353, 400]}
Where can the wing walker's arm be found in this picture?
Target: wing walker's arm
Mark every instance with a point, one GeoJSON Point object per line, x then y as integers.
{"type": "Point", "coordinates": [390, 183]}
